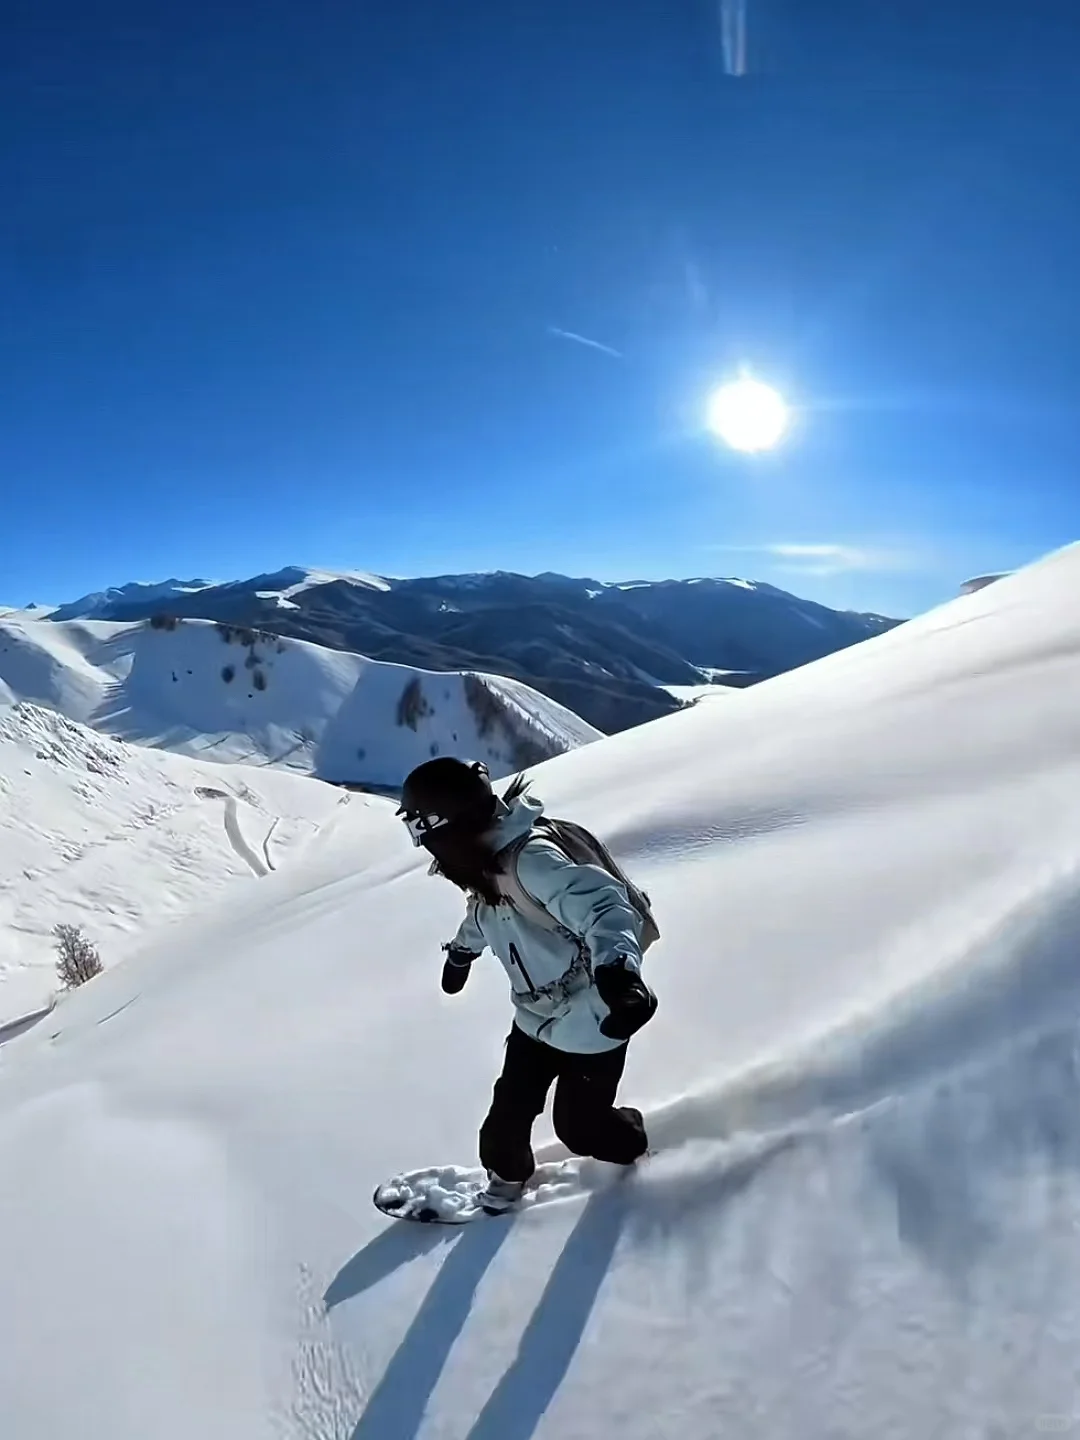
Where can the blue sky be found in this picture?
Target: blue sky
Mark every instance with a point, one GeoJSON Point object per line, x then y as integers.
{"type": "Point", "coordinates": [282, 283]}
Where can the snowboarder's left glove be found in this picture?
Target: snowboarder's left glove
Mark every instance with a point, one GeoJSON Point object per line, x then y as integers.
{"type": "Point", "coordinates": [456, 969]}
{"type": "Point", "coordinates": [631, 1002]}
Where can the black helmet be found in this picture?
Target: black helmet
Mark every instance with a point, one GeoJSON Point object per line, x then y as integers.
{"type": "Point", "coordinates": [446, 792]}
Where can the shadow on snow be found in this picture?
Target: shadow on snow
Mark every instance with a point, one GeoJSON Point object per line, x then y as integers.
{"type": "Point", "coordinates": [515, 1408]}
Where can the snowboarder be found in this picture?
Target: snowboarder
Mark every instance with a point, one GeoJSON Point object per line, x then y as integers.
{"type": "Point", "coordinates": [570, 936]}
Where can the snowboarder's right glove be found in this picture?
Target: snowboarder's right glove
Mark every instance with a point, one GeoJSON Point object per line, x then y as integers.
{"type": "Point", "coordinates": [456, 969]}
{"type": "Point", "coordinates": [631, 1002]}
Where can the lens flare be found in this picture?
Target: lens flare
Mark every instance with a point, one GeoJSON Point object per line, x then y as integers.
{"type": "Point", "coordinates": [748, 415]}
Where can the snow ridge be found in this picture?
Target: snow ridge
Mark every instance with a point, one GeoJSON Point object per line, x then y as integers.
{"type": "Point", "coordinates": [227, 693]}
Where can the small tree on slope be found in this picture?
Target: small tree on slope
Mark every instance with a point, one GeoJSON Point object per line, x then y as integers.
{"type": "Point", "coordinates": [77, 959]}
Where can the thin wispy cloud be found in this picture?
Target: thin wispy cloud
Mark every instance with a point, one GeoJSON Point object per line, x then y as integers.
{"type": "Point", "coordinates": [827, 558]}
{"type": "Point", "coordinates": [561, 334]}
{"type": "Point", "coordinates": [697, 292]}
{"type": "Point", "coordinates": [733, 35]}
{"type": "Point", "coordinates": [832, 558]}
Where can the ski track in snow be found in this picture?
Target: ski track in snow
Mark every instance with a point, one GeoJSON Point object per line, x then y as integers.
{"type": "Point", "coordinates": [259, 862]}
{"type": "Point", "coordinates": [236, 839]}
{"type": "Point", "coordinates": [327, 1394]}
{"type": "Point", "coordinates": [266, 842]}
{"type": "Point", "coordinates": [11, 1029]}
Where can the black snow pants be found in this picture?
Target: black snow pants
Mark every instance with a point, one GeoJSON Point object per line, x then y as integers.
{"type": "Point", "coordinates": [585, 1116]}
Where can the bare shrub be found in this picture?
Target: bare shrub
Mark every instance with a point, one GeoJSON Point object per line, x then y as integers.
{"type": "Point", "coordinates": [77, 960]}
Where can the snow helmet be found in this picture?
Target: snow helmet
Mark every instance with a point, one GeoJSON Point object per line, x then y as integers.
{"type": "Point", "coordinates": [447, 792]}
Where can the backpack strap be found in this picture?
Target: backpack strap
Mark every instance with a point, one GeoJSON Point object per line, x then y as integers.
{"type": "Point", "coordinates": [578, 974]}
{"type": "Point", "coordinates": [508, 883]}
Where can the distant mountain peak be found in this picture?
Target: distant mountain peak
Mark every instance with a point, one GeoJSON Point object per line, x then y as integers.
{"type": "Point", "coordinates": [296, 578]}
{"type": "Point", "coordinates": [136, 592]}
{"type": "Point", "coordinates": [605, 650]}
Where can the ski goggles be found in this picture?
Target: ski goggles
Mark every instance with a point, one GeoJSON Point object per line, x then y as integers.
{"type": "Point", "coordinates": [421, 826]}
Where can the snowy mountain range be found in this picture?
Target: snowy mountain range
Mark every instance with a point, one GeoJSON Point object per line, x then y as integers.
{"type": "Point", "coordinates": [601, 650]}
{"type": "Point", "coordinates": [861, 1086]}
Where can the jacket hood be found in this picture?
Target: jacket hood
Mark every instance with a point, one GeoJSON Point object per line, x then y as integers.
{"type": "Point", "coordinates": [513, 821]}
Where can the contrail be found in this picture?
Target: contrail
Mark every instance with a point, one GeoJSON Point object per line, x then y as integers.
{"type": "Point", "coordinates": [733, 35]}
{"type": "Point", "coordinates": [584, 340]}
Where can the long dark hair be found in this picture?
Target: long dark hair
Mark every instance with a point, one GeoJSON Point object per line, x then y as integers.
{"type": "Point", "coordinates": [518, 787]}
{"type": "Point", "coordinates": [464, 856]}
{"type": "Point", "coordinates": [465, 860]}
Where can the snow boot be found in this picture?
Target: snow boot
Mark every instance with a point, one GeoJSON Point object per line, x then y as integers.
{"type": "Point", "coordinates": [499, 1195]}
{"type": "Point", "coordinates": [638, 1120]}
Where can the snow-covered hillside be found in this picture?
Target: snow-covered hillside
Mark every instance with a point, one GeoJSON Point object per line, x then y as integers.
{"type": "Point", "coordinates": [117, 840]}
{"type": "Point", "coordinates": [223, 692]}
{"type": "Point", "coordinates": [863, 1081]}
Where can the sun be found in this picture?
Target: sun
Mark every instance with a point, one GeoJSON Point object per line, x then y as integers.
{"type": "Point", "coordinates": [748, 415]}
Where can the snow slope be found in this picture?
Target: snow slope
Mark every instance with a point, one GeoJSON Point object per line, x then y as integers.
{"type": "Point", "coordinates": [118, 840]}
{"type": "Point", "coordinates": [227, 693]}
{"type": "Point", "coordinates": [692, 694]}
{"type": "Point", "coordinates": [863, 1077]}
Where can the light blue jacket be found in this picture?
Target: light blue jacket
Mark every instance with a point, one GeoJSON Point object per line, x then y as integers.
{"type": "Point", "coordinates": [550, 972]}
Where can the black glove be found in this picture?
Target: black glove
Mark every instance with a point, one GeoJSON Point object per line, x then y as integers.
{"type": "Point", "coordinates": [456, 969]}
{"type": "Point", "coordinates": [631, 1002]}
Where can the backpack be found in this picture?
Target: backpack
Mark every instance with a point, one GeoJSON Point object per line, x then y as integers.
{"type": "Point", "coordinates": [583, 848]}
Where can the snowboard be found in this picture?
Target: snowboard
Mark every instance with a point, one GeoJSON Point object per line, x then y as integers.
{"type": "Point", "coordinates": [448, 1194]}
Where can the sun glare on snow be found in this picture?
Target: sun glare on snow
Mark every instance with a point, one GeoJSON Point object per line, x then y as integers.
{"type": "Point", "coordinates": [748, 415]}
